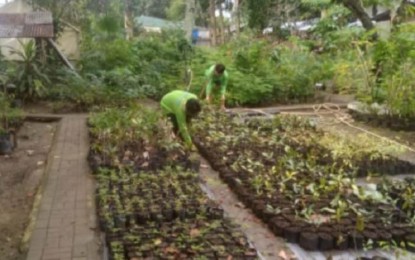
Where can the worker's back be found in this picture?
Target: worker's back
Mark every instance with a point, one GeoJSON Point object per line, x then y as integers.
{"type": "Point", "coordinates": [175, 100]}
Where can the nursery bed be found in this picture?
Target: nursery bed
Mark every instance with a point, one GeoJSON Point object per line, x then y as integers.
{"type": "Point", "coordinates": [244, 156]}
{"type": "Point", "coordinates": [149, 200]}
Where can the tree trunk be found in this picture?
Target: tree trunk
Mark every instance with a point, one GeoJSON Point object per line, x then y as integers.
{"type": "Point", "coordinates": [356, 7]}
{"type": "Point", "coordinates": [400, 13]}
{"type": "Point", "coordinates": [236, 21]}
{"type": "Point", "coordinates": [221, 25]}
{"type": "Point", "coordinates": [189, 18]}
{"type": "Point", "coordinates": [374, 10]}
{"type": "Point", "coordinates": [213, 35]}
{"type": "Point", "coordinates": [128, 19]}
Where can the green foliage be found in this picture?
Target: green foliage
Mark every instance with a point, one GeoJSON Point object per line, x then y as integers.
{"type": "Point", "coordinates": [349, 71]}
{"type": "Point", "coordinates": [116, 71]}
{"type": "Point", "coordinates": [107, 55]}
{"type": "Point", "coordinates": [396, 66]}
{"type": "Point", "coordinates": [109, 23]}
{"type": "Point", "coordinates": [331, 30]}
{"type": "Point", "coordinates": [316, 3]}
{"type": "Point", "coordinates": [400, 91]}
{"type": "Point", "coordinates": [397, 50]}
{"type": "Point", "coordinates": [3, 65]}
{"type": "Point", "coordinates": [261, 73]}
{"type": "Point", "coordinates": [176, 10]}
{"type": "Point", "coordinates": [155, 8]}
{"type": "Point", "coordinates": [298, 71]}
{"type": "Point", "coordinates": [117, 125]}
{"type": "Point", "coordinates": [28, 74]}
{"type": "Point", "coordinates": [84, 92]}
{"type": "Point", "coordinates": [9, 116]}
{"type": "Point", "coordinates": [258, 13]}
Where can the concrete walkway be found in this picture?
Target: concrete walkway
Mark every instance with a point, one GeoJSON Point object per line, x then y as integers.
{"type": "Point", "coordinates": [66, 221]}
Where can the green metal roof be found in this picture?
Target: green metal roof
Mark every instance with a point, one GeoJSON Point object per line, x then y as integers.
{"type": "Point", "coordinates": [148, 21]}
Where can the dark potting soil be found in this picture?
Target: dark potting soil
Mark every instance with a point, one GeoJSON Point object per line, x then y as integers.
{"type": "Point", "coordinates": [387, 121]}
{"type": "Point", "coordinates": [164, 214]}
{"type": "Point", "coordinates": [292, 229]}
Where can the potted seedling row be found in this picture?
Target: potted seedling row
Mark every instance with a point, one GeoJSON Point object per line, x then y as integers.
{"type": "Point", "coordinates": [205, 238]}
{"type": "Point", "coordinates": [304, 193]}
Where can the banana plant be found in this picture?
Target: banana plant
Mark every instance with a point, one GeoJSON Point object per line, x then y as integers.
{"type": "Point", "coordinates": [28, 75]}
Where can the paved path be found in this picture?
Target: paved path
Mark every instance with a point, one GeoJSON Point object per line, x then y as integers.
{"type": "Point", "coordinates": [66, 220]}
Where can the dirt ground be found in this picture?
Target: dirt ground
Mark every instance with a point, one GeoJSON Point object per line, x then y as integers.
{"type": "Point", "coordinates": [20, 176]}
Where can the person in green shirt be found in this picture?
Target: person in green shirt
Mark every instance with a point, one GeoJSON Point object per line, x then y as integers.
{"type": "Point", "coordinates": [217, 77]}
{"type": "Point", "coordinates": [181, 106]}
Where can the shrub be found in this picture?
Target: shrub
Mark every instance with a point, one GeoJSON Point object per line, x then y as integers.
{"type": "Point", "coordinates": [28, 74]}
{"type": "Point", "coordinates": [396, 66]}
{"type": "Point", "coordinates": [260, 73]}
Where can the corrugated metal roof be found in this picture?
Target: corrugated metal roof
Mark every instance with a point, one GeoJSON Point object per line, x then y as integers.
{"type": "Point", "coordinates": [26, 25]}
{"type": "Point", "coordinates": [149, 21]}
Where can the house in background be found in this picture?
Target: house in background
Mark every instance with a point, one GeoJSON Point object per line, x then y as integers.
{"type": "Point", "coordinates": [154, 24]}
{"type": "Point", "coordinates": [68, 41]}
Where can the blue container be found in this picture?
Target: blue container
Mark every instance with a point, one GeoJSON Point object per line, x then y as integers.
{"type": "Point", "coordinates": [195, 35]}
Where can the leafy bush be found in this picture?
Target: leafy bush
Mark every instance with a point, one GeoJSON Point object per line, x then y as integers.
{"type": "Point", "coordinates": [398, 49]}
{"type": "Point", "coordinates": [400, 91]}
{"type": "Point", "coordinates": [260, 73]}
{"type": "Point", "coordinates": [147, 66]}
{"type": "Point", "coordinates": [396, 66]}
{"type": "Point", "coordinates": [351, 72]}
{"type": "Point", "coordinates": [106, 55]}
{"type": "Point", "coordinates": [85, 92]}
{"type": "Point", "coordinates": [9, 116]}
{"type": "Point", "coordinates": [298, 70]}
{"type": "Point", "coordinates": [28, 74]}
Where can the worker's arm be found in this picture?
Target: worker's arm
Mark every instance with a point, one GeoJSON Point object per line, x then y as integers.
{"type": "Point", "coordinates": [223, 91]}
{"type": "Point", "coordinates": [209, 90]}
{"type": "Point", "coordinates": [209, 82]}
{"type": "Point", "coordinates": [181, 121]}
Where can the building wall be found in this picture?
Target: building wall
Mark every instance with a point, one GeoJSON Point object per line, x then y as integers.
{"type": "Point", "coordinates": [69, 43]}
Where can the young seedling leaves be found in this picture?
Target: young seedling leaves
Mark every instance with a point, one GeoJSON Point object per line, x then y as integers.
{"type": "Point", "coordinates": [157, 241]}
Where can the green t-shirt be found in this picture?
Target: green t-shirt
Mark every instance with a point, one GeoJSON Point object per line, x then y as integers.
{"type": "Point", "coordinates": [214, 80]}
{"type": "Point", "coordinates": [175, 103]}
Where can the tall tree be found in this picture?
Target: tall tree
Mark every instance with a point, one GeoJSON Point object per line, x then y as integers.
{"type": "Point", "coordinates": [128, 19]}
{"type": "Point", "coordinates": [236, 17]}
{"type": "Point", "coordinates": [221, 24]}
{"type": "Point", "coordinates": [202, 11]}
{"type": "Point", "coordinates": [258, 13]}
{"type": "Point", "coordinates": [190, 18]}
{"type": "Point", "coordinates": [213, 23]}
{"type": "Point", "coordinates": [356, 7]}
{"type": "Point", "coordinates": [404, 11]}
{"type": "Point", "coordinates": [156, 8]}
{"type": "Point", "coordinates": [176, 10]}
